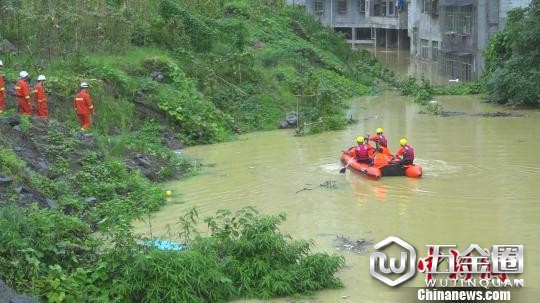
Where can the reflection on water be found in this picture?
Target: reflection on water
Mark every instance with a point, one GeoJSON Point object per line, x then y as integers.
{"type": "Point", "coordinates": [402, 63]}
{"type": "Point", "coordinates": [480, 185]}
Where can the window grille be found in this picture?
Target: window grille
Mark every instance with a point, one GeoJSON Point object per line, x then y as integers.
{"type": "Point", "coordinates": [362, 6]}
{"type": "Point", "coordinates": [342, 7]}
{"type": "Point", "coordinates": [424, 52]}
{"type": "Point", "coordinates": [458, 19]}
{"type": "Point", "coordinates": [435, 50]}
{"type": "Point", "coordinates": [318, 7]}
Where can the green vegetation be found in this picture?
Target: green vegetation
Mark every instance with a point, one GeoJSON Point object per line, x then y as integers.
{"type": "Point", "coordinates": [161, 73]}
{"type": "Point", "coordinates": [512, 59]}
{"type": "Point", "coordinates": [58, 257]}
{"type": "Point", "coordinates": [424, 92]}
{"type": "Point", "coordinates": [196, 61]}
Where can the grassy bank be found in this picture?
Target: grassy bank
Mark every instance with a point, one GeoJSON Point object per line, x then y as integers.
{"type": "Point", "coordinates": [214, 68]}
{"type": "Point", "coordinates": [163, 74]}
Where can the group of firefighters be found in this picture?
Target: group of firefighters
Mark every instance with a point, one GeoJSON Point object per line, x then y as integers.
{"type": "Point", "coordinates": [365, 153]}
{"type": "Point", "coordinates": [82, 101]}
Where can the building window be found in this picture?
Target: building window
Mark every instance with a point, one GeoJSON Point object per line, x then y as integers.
{"type": "Point", "coordinates": [467, 19]}
{"type": "Point", "coordinates": [466, 68]}
{"type": "Point", "coordinates": [430, 6]}
{"type": "Point", "coordinates": [424, 48]}
{"type": "Point", "coordinates": [318, 7]}
{"type": "Point", "coordinates": [459, 19]}
{"type": "Point", "coordinates": [415, 39]}
{"type": "Point", "coordinates": [362, 6]}
{"type": "Point", "coordinates": [449, 66]}
{"type": "Point", "coordinates": [435, 50]}
{"type": "Point", "coordinates": [390, 6]}
{"type": "Point", "coordinates": [342, 7]}
{"type": "Point", "coordinates": [426, 6]}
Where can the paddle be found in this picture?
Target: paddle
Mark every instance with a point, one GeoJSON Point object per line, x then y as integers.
{"type": "Point", "coordinates": [344, 168]}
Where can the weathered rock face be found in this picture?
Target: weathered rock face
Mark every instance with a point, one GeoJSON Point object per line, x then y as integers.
{"type": "Point", "coordinates": [22, 299]}
{"type": "Point", "coordinates": [5, 181]}
{"type": "Point", "coordinates": [90, 200]}
{"type": "Point", "coordinates": [290, 121]}
{"type": "Point", "coordinates": [7, 47]}
{"type": "Point", "coordinates": [157, 76]}
{"type": "Point", "coordinates": [142, 161]}
{"type": "Point", "coordinates": [8, 295]}
{"type": "Point", "coordinates": [11, 121]}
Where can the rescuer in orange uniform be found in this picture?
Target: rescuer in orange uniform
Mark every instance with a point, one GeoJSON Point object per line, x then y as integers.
{"type": "Point", "coordinates": [405, 154]}
{"type": "Point", "coordinates": [84, 106]}
{"type": "Point", "coordinates": [23, 94]}
{"type": "Point", "coordinates": [380, 141]}
{"type": "Point", "coordinates": [40, 99]}
{"type": "Point", "coordinates": [2, 90]}
{"type": "Point", "coordinates": [363, 152]}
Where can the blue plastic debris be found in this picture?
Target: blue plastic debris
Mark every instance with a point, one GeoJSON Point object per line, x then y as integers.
{"type": "Point", "coordinates": [165, 245]}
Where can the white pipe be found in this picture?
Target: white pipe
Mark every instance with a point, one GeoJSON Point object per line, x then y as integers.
{"type": "Point", "coordinates": [332, 14]}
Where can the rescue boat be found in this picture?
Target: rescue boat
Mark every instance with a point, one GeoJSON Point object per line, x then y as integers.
{"type": "Point", "coordinates": [381, 169]}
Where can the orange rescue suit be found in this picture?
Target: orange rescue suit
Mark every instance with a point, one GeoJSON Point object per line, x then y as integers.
{"type": "Point", "coordinates": [385, 149]}
{"type": "Point", "coordinates": [380, 160]}
{"type": "Point", "coordinates": [2, 94]}
{"type": "Point", "coordinates": [84, 107]}
{"type": "Point", "coordinates": [40, 100]}
{"type": "Point", "coordinates": [23, 97]}
{"type": "Point", "coordinates": [352, 151]}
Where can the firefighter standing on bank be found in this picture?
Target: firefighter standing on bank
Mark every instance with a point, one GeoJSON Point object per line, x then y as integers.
{"type": "Point", "coordinates": [40, 98]}
{"type": "Point", "coordinates": [84, 106]}
{"type": "Point", "coordinates": [23, 94]}
{"type": "Point", "coordinates": [2, 90]}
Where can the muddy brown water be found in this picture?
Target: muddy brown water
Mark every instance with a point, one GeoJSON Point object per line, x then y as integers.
{"type": "Point", "coordinates": [402, 63]}
{"type": "Point", "coordinates": [481, 185]}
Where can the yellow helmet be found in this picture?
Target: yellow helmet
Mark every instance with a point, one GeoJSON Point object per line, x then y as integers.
{"type": "Point", "coordinates": [379, 130]}
{"type": "Point", "coordinates": [403, 141]}
{"type": "Point", "coordinates": [360, 139]}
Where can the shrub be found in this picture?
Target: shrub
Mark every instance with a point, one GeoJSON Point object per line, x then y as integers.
{"type": "Point", "coordinates": [511, 73]}
{"type": "Point", "coordinates": [246, 255]}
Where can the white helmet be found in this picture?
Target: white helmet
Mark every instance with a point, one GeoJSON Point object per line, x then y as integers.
{"type": "Point", "coordinates": [1, 63]}
{"type": "Point", "coordinates": [23, 74]}
{"type": "Point", "coordinates": [84, 85]}
{"type": "Point", "coordinates": [41, 78]}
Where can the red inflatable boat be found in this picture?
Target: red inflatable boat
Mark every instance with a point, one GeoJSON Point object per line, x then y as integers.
{"type": "Point", "coordinates": [381, 168]}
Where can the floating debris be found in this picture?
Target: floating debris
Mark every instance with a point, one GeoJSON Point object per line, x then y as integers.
{"type": "Point", "coordinates": [329, 184]}
{"type": "Point", "coordinates": [499, 114]}
{"type": "Point", "coordinates": [165, 245]}
{"type": "Point", "coordinates": [360, 246]}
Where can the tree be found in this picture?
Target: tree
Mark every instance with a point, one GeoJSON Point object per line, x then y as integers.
{"type": "Point", "coordinates": [513, 59]}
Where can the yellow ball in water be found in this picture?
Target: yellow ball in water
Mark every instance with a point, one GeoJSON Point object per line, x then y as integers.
{"type": "Point", "coordinates": [168, 193]}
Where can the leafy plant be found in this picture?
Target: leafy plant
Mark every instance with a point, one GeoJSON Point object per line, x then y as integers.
{"type": "Point", "coordinates": [511, 70]}
{"type": "Point", "coordinates": [245, 256]}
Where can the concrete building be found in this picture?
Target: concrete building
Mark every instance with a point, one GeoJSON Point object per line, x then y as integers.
{"type": "Point", "coordinates": [452, 33]}
{"type": "Point", "coordinates": [455, 33]}
{"type": "Point", "coordinates": [373, 22]}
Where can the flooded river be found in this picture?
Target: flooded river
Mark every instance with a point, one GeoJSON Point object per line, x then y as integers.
{"type": "Point", "coordinates": [401, 62]}
{"type": "Point", "coordinates": [480, 185]}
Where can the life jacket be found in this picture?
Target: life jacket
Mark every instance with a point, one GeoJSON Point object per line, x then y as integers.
{"type": "Point", "coordinates": [380, 160]}
{"type": "Point", "coordinates": [382, 140]}
{"type": "Point", "coordinates": [361, 152]}
{"type": "Point", "coordinates": [409, 153]}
